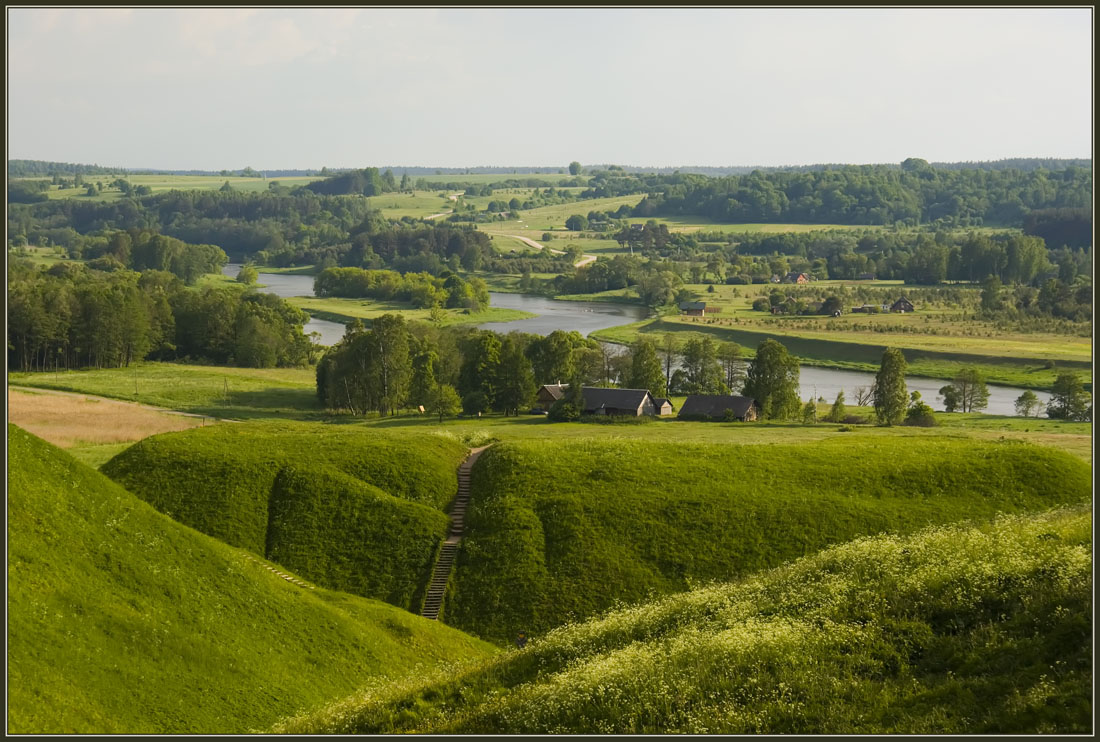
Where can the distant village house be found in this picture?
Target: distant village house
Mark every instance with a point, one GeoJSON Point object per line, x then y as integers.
{"type": "Point", "coordinates": [795, 277]}
{"type": "Point", "coordinates": [902, 305]}
{"type": "Point", "coordinates": [694, 308]}
{"type": "Point", "coordinates": [718, 407]}
{"type": "Point", "coordinates": [602, 401]}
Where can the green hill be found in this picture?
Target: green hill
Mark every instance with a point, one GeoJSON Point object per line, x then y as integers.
{"type": "Point", "coordinates": [352, 509]}
{"type": "Point", "coordinates": [958, 629]}
{"type": "Point", "coordinates": [560, 532]}
{"type": "Point", "coordinates": [121, 620]}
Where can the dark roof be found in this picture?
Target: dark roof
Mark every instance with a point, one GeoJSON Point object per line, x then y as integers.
{"type": "Point", "coordinates": [793, 275]}
{"type": "Point", "coordinates": [557, 391]}
{"type": "Point", "coordinates": [715, 405]}
{"type": "Point", "coordinates": [902, 300]}
{"type": "Point", "coordinates": [693, 305]}
{"type": "Point", "coordinates": [661, 402]}
{"type": "Point", "coordinates": [596, 397]}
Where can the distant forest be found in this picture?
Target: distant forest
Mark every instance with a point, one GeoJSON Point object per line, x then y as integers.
{"type": "Point", "coordinates": [41, 168]}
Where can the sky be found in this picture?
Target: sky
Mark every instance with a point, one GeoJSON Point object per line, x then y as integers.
{"type": "Point", "coordinates": [212, 89]}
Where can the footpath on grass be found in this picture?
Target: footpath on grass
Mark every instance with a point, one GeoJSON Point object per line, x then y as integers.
{"type": "Point", "coordinates": [433, 602]}
{"type": "Point", "coordinates": [585, 259]}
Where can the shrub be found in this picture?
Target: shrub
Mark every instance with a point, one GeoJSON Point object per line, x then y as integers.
{"type": "Point", "coordinates": [563, 411]}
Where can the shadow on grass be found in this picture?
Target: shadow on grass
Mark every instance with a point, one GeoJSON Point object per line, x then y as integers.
{"type": "Point", "coordinates": [275, 403]}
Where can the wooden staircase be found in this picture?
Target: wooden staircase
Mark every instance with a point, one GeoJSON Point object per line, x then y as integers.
{"type": "Point", "coordinates": [433, 602]}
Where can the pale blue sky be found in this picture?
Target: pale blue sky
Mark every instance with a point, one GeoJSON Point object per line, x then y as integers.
{"type": "Point", "coordinates": [296, 88]}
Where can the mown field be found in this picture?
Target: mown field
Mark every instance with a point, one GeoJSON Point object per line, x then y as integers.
{"type": "Point", "coordinates": [160, 183]}
{"type": "Point", "coordinates": [214, 391]}
{"type": "Point", "coordinates": [92, 429]}
{"type": "Point", "coordinates": [563, 531]}
{"type": "Point", "coordinates": [121, 620]}
{"type": "Point", "coordinates": [971, 628]}
{"type": "Point", "coordinates": [361, 512]}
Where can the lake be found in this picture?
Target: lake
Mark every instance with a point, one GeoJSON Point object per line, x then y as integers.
{"type": "Point", "coordinates": [588, 316]}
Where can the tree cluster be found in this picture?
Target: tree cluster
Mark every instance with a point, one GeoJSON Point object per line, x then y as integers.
{"type": "Point", "coordinates": [71, 316]}
{"type": "Point", "coordinates": [421, 289]}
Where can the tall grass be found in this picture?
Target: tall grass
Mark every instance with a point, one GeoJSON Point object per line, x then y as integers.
{"type": "Point", "coordinates": [960, 629]}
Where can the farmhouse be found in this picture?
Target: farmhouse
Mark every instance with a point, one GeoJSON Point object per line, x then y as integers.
{"type": "Point", "coordinates": [870, 308]}
{"type": "Point", "coordinates": [902, 305]}
{"type": "Point", "coordinates": [866, 277]}
{"type": "Point", "coordinates": [718, 407]}
{"type": "Point", "coordinates": [548, 394]}
{"type": "Point", "coordinates": [794, 277]}
{"type": "Point", "coordinates": [601, 401]}
{"type": "Point", "coordinates": [664, 406]}
{"type": "Point", "coordinates": [694, 308]}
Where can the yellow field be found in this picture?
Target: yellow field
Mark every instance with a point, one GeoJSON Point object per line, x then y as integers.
{"type": "Point", "coordinates": [69, 420]}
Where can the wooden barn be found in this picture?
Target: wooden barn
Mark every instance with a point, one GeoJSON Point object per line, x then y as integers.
{"type": "Point", "coordinates": [794, 277]}
{"type": "Point", "coordinates": [694, 308]}
{"type": "Point", "coordinates": [902, 305]}
{"type": "Point", "coordinates": [664, 406]}
{"type": "Point", "coordinates": [601, 401]}
{"type": "Point", "coordinates": [548, 394]}
{"type": "Point", "coordinates": [718, 407]}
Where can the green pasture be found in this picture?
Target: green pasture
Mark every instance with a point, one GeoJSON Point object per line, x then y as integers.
{"type": "Point", "coordinates": [214, 391]}
{"type": "Point", "coordinates": [699, 223]}
{"type": "Point", "coordinates": [161, 183]}
{"type": "Point", "coordinates": [460, 180]}
{"type": "Point", "coordinates": [123, 621]}
{"type": "Point", "coordinates": [972, 628]}
{"type": "Point", "coordinates": [928, 356]}
{"type": "Point", "coordinates": [345, 310]}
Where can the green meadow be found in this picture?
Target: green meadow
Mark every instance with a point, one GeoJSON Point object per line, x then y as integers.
{"type": "Point", "coordinates": [346, 310]}
{"type": "Point", "coordinates": [980, 627]}
{"type": "Point", "coordinates": [121, 620]}
{"type": "Point", "coordinates": [565, 531]}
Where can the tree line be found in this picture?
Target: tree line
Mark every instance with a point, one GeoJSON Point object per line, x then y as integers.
{"type": "Point", "coordinates": [73, 316]}
{"type": "Point", "coordinates": [423, 290]}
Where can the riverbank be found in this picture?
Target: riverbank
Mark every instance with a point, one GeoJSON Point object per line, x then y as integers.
{"type": "Point", "coordinates": [1025, 373]}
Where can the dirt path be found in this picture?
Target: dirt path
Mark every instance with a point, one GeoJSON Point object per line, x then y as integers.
{"type": "Point", "coordinates": [585, 259]}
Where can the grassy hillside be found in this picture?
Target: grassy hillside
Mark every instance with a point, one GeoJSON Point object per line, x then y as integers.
{"type": "Point", "coordinates": [959, 629]}
{"type": "Point", "coordinates": [121, 620]}
{"type": "Point", "coordinates": [561, 532]}
{"type": "Point", "coordinates": [287, 491]}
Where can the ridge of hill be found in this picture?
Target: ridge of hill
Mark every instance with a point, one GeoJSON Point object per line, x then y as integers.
{"type": "Point", "coordinates": [562, 532]}
{"type": "Point", "coordinates": [121, 620]}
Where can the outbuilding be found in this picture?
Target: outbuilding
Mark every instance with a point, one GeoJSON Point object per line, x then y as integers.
{"type": "Point", "coordinates": [718, 407]}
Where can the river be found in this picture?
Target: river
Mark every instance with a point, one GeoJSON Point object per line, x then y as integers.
{"type": "Point", "coordinates": [589, 316]}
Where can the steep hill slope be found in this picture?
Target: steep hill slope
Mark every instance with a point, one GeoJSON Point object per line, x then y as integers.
{"type": "Point", "coordinates": [958, 629]}
{"type": "Point", "coordinates": [354, 510]}
{"type": "Point", "coordinates": [563, 531]}
{"type": "Point", "coordinates": [122, 620]}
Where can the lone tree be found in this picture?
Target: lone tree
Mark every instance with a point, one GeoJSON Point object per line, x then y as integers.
{"type": "Point", "coordinates": [575, 168]}
{"type": "Point", "coordinates": [1027, 403]}
{"type": "Point", "coordinates": [891, 398]}
{"type": "Point", "coordinates": [576, 223]}
{"type": "Point", "coordinates": [1068, 399]}
{"type": "Point", "coordinates": [838, 412]}
{"type": "Point", "coordinates": [772, 381]}
{"type": "Point", "coordinates": [967, 392]}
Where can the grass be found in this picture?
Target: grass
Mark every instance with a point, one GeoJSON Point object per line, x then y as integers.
{"type": "Point", "coordinates": [361, 513]}
{"type": "Point", "coordinates": [121, 620]}
{"type": "Point", "coordinates": [70, 421]}
{"type": "Point", "coordinates": [161, 183]}
{"type": "Point", "coordinates": [215, 391]}
{"type": "Point", "coordinates": [972, 628]}
{"type": "Point", "coordinates": [936, 358]}
{"type": "Point", "coordinates": [562, 531]}
{"type": "Point", "coordinates": [345, 310]}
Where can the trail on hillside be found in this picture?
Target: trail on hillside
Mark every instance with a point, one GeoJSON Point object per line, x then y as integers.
{"type": "Point", "coordinates": [585, 259]}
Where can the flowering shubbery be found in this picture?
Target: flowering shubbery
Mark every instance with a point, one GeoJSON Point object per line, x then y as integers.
{"type": "Point", "coordinates": [958, 629]}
